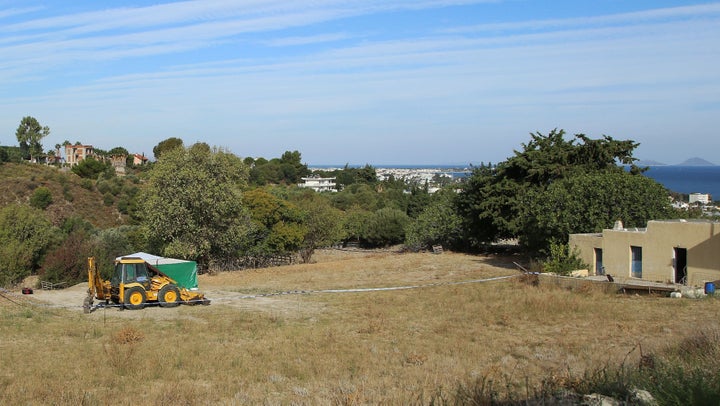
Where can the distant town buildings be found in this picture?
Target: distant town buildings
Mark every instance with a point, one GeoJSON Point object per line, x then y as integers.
{"type": "Point", "coordinates": [418, 175]}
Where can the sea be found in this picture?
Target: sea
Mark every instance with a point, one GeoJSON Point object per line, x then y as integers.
{"type": "Point", "coordinates": [688, 179]}
{"type": "Point", "coordinates": [677, 178]}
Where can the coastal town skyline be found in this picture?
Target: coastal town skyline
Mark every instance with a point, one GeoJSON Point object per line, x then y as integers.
{"type": "Point", "coordinates": [364, 81]}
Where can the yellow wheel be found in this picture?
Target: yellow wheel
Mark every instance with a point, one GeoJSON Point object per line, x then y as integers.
{"type": "Point", "coordinates": [169, 296]}
{"type": "Point", "coordinates": [135, 298]}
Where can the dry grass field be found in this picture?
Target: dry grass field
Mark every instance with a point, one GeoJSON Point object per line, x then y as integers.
{"type": "Point", "coordinates": [405, 346]}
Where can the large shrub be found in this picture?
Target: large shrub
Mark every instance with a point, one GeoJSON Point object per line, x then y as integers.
{"type": "Point", "coordinates": [91, 168]}
{"type": "Point", "coordinates": [41, 198]}
{"type": "Point", "coordinates": [25, 235]}
{"type": "Point", "coordinates": [385, 227]}
{"type": "Point", "coordinates": [68, 261]}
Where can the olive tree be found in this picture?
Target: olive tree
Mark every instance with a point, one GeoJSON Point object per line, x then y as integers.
{"type": "Point", "coordinates": [192, 206]}
{"type": "Point", "coordinates": [323, 224]}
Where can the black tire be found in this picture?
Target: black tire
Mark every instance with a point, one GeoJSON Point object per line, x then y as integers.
{"type": "Point", "coordinates": [135, 298]}
{"type": "Point", "coordinates": [169, 296]}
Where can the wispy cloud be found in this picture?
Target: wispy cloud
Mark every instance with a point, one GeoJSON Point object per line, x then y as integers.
{"type": "Point", "coordinates": [307, 71]}
{"type": "Point", "coordinates": [306, 40]}
{"type": "Point", "coordinates": [705, 11]}
{"type": "Point", "coordinates": [17, 11]}
{"type": "Point", "coordinates": [37, 45]}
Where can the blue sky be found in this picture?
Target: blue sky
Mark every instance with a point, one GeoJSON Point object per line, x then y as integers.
{"type": "Point", "coordinates": [364, 81]}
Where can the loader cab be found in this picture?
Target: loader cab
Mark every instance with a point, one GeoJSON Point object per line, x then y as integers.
{"type": "Point", "coordinates": [131, 270]}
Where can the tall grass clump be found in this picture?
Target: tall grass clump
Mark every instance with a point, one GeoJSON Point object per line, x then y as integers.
{"type": "Point", "coordinates": [121, 351]}
{"type": "Point", "coordinates": [685, 373]}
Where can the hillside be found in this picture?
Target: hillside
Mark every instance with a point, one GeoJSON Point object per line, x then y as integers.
{"type": "Point", "coordinates": [72, 195]}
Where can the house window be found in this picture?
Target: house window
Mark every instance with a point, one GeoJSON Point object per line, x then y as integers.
{"type": "Point", "coordinates": [636, 264]}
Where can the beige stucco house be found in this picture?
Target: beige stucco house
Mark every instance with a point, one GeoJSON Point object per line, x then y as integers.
{"type": "Point", "coordinates": [675, 251]}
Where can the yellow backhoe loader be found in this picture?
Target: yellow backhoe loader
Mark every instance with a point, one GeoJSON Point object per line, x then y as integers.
{"type": "Point", "coordinates": [135, 283]}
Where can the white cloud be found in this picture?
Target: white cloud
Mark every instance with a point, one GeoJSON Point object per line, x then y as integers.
{"type": "Point", "coordinates": [632, 18]}
{"type": "Point", "coordinates": [632, 70]}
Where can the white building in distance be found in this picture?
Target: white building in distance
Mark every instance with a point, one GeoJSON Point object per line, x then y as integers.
{"type": "Point", "coordinates": [319, 184]}
{"type": "Point", "coordinates": [702, 198]}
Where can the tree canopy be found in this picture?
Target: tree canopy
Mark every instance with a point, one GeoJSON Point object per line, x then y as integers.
{"type": "Point", "coordinates": [166, 145]}
{"type": "Point", "coordinates": [502, 201]}
{"type": "Point", "coordinates": [286, 170]}
{"type": "Point", "coordinates": [29, 134]}
{"type": "Point", "coordinates": [192, 206]}
{"type": "Point", "coordinates": [590, 202]}
{"type": "Point", "coordinates": [91, 168]}
{"type": "Point", "coordinates": [278, 224]}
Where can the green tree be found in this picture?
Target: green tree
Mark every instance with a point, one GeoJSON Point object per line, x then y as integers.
{"type": "Point", "coordinates": [286, 170]}
{"type": "Point", "coordinates": [367, 174]}
{"type": "Point", "coordinates": [278, 226]}
{"type": "Point", "coordinates": [25, 235]}
{"type": "Point", "coordinates": [292, 167]}
{"type": "Point", "coordinates": [361, 195]}
{"type": "Point", "coordinates": [385, 227]}
{"type": "Point", "coordinates": [118, 151]}
{"type": "Point", "coordinates": [323, 224]}
{"type": "Point", "coordinates": [438, 223]}
{"type": "Point", "coordinates": [494, 198]}
{"type": "Point", "coordinates": [192, 205]}
{"type": "Point", "coordinates": [91, 168]}
{"type": "Point", "coordinates": [417, 200]}
{"type": "Point", "coordinates": [29, 134]}
{"type": "Point", "coordinates": [348, 176]}
{"type": "Point", "coordinates": [588, 203]}
{"type": "Point", "coordinates": [354, 223]}
{"type": "Point", "coordinates": [166, 145]}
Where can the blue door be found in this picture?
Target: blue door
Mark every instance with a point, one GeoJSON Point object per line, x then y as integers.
{"type": "Point", "coordinates": [636, 266]}
{"type": "Point", "coordinates": [599, 269]}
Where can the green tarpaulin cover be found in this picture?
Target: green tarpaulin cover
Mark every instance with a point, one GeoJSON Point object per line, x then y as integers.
{"type": "Point", "coordinates": [183, 272]}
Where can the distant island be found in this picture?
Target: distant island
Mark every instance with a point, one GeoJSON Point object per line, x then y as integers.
{"type": "Point", "coordinates": [695, 161]}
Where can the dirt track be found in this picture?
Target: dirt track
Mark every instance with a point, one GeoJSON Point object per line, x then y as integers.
{"type": "Point", "coordinates": [260, 290]}
{"type": "Point", "coordinates": [72, 299]}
